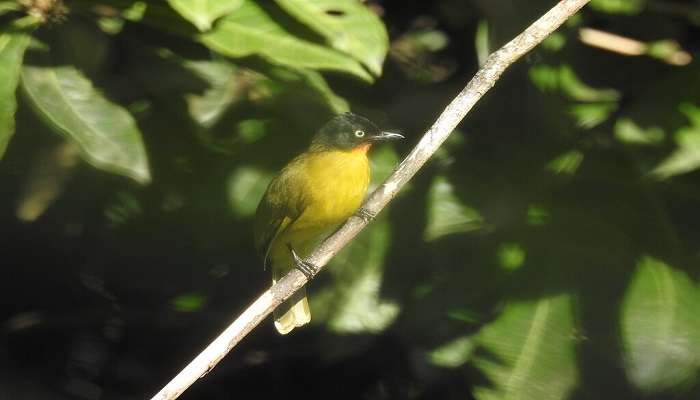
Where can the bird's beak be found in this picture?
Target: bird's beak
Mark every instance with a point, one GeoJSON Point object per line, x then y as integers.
{"type": "Point", "coordinates": [386, 136]}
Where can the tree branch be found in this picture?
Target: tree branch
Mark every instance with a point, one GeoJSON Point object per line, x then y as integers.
{"type": "Point", "coordinates": [453, 114]}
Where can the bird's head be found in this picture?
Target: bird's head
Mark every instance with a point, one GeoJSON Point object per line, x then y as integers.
{"type": "Point", "coordinates": [350, 131]}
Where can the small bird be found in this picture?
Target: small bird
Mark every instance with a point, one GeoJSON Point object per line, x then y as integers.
{"type": "Point", "coordinates": [310, 197]}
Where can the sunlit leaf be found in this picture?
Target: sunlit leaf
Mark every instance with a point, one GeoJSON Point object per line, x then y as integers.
{"type": "Point", "coordinates": [351, 303]}
{"type": "Point", "coordinates": [307, 83]}
{"type": "Point", "coordinates": [316, 81]}
{"type": "Point", "coordinates": [348, 26]}
{"type": "Point", "coordinates": [589, 115]}
{"type": "Point", "coordinates": [511, 256]}
{"type": "Point", "coordinates": [7, 6]}
{"type": "Point", "coordinates": [686, 157]}
{"type": "Point", "coordinates": [481, 41]}
{"type": "Point", "coordinates": [554, 42]}
{"type": "Point", "coordinates": [110, 25]}
{"type": "Point", "coordinates": [619, 6]}
{"type": "Point", "coordinates": [135, 11]}
{"type": "Point", "coordinates": [251, 31]}
{"type": "Point", "coordinates": [106, 133]}
{"type": "Point", "coordinates": [627, 131]}
{"type": "Point", "coordinates": [576, 89]}
{"type": "Point", "coordinates": [545, 77]}
{"type": "Point", "coordinates": [669, 51]}
{"type": "Point", "coordinates": [47, 180]}
{"type": "Point", "coordinates": [529, 351]}
{"type": "Point", "coordinates": [447, 214]}
{"type": "Point", "coordinates": [454, 353]}
{"type": "Point", "coordinates": [431, 40]}
{"type": "Point", "coordinates": [188, 302]}
{"type": "Point", "coordinates": [538, 215]}
{"type": "Point", "coordinates": [567, 163]}
{"type": "Point", "coordinates": [564, 78]}
{"type": "Point", "coordinates": [202, 13]}
{"type": "Point", "coordinates": [661, 327]}
{"type": "Point", "coordinates": [246, 186]}
{"type": "Point", "coordinates": [12, 46]}
{"type": "Point", "coordinates": [206, 108]}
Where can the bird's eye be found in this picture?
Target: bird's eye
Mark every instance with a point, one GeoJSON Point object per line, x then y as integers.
{"type": "Point", "coordinates": [359, 133]}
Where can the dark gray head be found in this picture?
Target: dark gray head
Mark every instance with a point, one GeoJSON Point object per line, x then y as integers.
{"type": "Point", "coordinates": [349, 131]}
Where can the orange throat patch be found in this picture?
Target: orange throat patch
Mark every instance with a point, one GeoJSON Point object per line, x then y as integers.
{"type": "Point", "coordinates": [363, 148]}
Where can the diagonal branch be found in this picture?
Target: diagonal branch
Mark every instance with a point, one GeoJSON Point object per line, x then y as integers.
{"type": "Point", "coordinates": [453, 114]}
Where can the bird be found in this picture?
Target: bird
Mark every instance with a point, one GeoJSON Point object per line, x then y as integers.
{"type": "Point", "coordinates": [309, 198]}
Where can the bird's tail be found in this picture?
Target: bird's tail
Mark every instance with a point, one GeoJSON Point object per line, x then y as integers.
{"type": "Point", "coordinates": [293, 312]}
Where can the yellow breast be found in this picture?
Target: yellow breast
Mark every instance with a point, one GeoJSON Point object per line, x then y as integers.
{"type": "Point", "coordinates": [336, 186]}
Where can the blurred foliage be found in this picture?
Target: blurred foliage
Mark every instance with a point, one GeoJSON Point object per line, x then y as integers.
{"type": "Point", "coordinates": [548, 251]}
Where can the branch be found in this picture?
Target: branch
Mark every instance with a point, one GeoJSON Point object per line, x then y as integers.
{"type": "Point", "coordinates": [484, 80]}
{"type": "Point", "coordinates": [667, 51]}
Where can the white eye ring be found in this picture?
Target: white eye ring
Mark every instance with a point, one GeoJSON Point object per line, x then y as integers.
{"type": "Point", "coordinates": [359, 133]}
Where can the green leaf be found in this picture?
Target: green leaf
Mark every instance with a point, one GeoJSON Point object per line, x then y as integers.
{"type": "Point", "coordinates": [251, 31]}
{"type": "Point", "coordinates": [352, 303]}
{"type": "Point", "coordinates": [619, 6]}
{"type": "Point", "coordinates": [208, 107]}
{"type": "Point", "coordinates": [576, 89]}
{"type": "Point", "coordinates": [8, 6]}
{"type": "Point", "coordinates": [454, 353]}
{"type": "Point", "coordinates": [538, 215]}
{"type": "Point", "coordinates": [549, 78]}
{"type": "Point", "coordinates": [203, 13]}
{"type": "Point", "coordinates": [529, 351]}
{"type": "Point", "coordinates": [589, 115]}
{"type": "Point", "coordinates": [106, 133]}
{"type": "Point", "coordinates": [482, 43]}
{"type": "Point", "coordinates": [554, 42]}
{"type": "Point", "coordinates": [348, 26]}
{"type": "Point", "coordinates": [661, 327]}
{"type": "Point", "coordinates": [246, 186]}
{"type": "Point", "coordinates": [686, 157]}
{"type": "Point", "coordinates": [12, 46]}
{"type": "Point", "coordinates": [627, 131]}
{"type": "Point", "coordinates": [511, 256]}
{"type": "Point", "coordinates": [188, 302]}
{"type": "Point", "coordinates": [383, 161]}
{"type": "Point", "coordinates": [318, 84]}
{"type": "Point", "coordinates": [566, 163]}
{"type": "Point", "coordinates": [447, 215]}
{"type": "Point", "coordinates": [304, 85]}
{"type": "Point", "coordinates": [564, 78]}
{"type": "Point", "coordinates": [545, 77]}
{"type": "Point", "coordinates": [47, 179]}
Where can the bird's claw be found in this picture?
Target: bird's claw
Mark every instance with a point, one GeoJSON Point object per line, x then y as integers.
{"type": "Point", "coordinates": [366, 215]}
{"type": "Point", "coordinates": [305, 267]}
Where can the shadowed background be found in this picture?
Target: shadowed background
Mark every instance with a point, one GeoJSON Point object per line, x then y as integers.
{"type": "Point", "coordinates": [548, 251]}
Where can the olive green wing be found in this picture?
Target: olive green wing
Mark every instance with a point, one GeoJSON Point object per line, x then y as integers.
{"type": "Point", "coordinates": [281, 205]}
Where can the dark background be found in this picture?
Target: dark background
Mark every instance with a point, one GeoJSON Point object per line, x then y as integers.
{"type": "Point", "coordinates": [115, 286]}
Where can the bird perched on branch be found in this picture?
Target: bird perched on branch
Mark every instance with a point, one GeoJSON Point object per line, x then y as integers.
{"type": "Point", "coordinates": [312, 195]}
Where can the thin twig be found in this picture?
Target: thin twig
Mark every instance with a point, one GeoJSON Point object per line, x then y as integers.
{"type": "Point", "coordinates": [671, 54]}
{"type": "Point", "coordinates": [484, 79]}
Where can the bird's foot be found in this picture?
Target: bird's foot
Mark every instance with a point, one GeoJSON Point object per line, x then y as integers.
{"type": "Point", "coordinates": [366, 215]}
{"type": "Point", "coordinates": [305, 267]}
